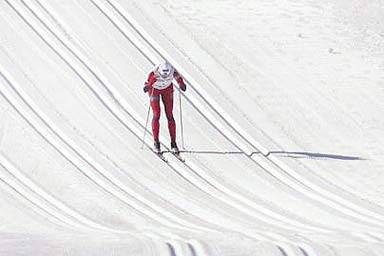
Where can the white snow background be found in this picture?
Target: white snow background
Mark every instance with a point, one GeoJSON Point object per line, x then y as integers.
{"type": "Point", "coordinates": [282, 123]}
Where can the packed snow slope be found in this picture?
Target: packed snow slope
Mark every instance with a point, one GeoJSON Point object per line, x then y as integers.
{"type": "Point", "coordinates": [282, 122]}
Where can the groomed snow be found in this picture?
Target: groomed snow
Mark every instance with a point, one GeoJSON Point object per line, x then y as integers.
{"type": "Point", "coordinates": [282, 122]}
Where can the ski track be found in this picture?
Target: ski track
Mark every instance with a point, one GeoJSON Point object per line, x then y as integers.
{"type": "Point", "coordinates": [27, 196]}
{"type": "Point", "coordinates": [283, 167]}
{"type": "Point", "coordinates": [191, 178]}
{"type": "Point", "coordinates": [83, 154]}
{"type": "Point", "coordinates": [65, 140]}
{"type": "Point", "coordinates": [141, 50]}
{"type": "Point", "coordinates": [186, 172]}
{"type": "Point", "coordinates": [201, 174]}
{"type": "Point", "coordinates": [270, 163]}
{"type": "Point", "coordinates": [80, 166]}
{"type": "Point", "coordinates": [258, 237]}
{"type": "Point", "coordinates": [192, 173]}
{"type": "Point", "coordinates": [232, 128]}
{"type": "Point", "coordinates": [55, 208]}
{"type": "Point", "coordinates": [72, 145]}
{"type": "Point", "coordinates": [35, 28]}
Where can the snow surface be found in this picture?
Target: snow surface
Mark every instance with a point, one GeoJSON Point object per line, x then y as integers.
{"type": "Point", "coordinates": [282, 121]}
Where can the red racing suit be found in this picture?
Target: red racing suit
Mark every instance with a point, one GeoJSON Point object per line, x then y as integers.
{"type": "Point", "coordinates": [161, 87]}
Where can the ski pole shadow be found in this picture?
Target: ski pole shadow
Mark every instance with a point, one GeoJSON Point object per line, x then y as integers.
{"type": "Point", "coordinates": [312, 155]}
{"type": "Point", "coordinates": [211, 152]}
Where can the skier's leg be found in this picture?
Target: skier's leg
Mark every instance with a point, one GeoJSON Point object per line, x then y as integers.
{"type": "Point", "coordinates": [155, 104]}
{"type": "Point", "coordinates": [168, 105]}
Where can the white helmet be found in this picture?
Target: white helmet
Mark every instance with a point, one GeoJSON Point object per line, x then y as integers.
{"type": "Point", "coordinates": [165, 68]}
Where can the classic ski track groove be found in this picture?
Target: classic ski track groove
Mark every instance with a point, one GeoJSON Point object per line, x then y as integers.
{"type": "Point", "coordinates": [68, 141]}
{"type": "Point", "coordinates": [21, 182]}
{"type": "Point", "coordinates": [265, 162]}
{"type": "Point", "coordinates": [45, 120]}
{"type": "Point", "coordinates": [64, 152]}
{"type": "Point", "coordinates": [362, 235]}
{"type": "Point", "coordinates": [140, 51]}
{"type": "Point", "coordinates": [15, 186]}
{"type": "Point", "coordinates": [201, 174]}
{"type": "Point", "coordinates": [136, 121]}
{"type": "Point", "coordinates": [257, 236]}
{"type": "Point", "coordinates": [189, 167]}
{"type": "Point", "coordinates": [83, 222]}
{"type": "Point", "coordinates": [33, 27]}
{"type": "Point", "coordinates": [193, 169]}
{"type": "Point", "coordinates": [170, 242]}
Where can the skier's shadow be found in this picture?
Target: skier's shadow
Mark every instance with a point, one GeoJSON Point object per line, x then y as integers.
{"type": "Point", "coordinates": [290, 154]}
{"type": "Point", "coordinates": [311, 155]}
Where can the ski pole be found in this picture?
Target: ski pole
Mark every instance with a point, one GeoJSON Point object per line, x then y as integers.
{"type": "Point", "coordinates": [181, 121]}
{"type": "Point", "coordinates": [146, 122]}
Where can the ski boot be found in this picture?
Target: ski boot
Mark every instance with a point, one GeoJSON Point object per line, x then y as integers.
{"type": "Point", "coordinates": [156, 148]}
{"type": "Point", "coordinates": [175, 150]}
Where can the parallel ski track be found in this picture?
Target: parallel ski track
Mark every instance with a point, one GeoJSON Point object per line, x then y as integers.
{"type": "Point", "coordinates": [220, 187]}
{"type": "Point", "coordinates": [54, 208]}
{"type": "Point", "coordinates": [77, 71]}
{"type": "Point", "coordinates": [191, 178]}
{"type": "Point", "coordinates": [64, 217]}
{"type": "Point", "coordinates": [23, 194]}
{"type": "Point", "coordinates": [73, 146]}
{"type": "Point", "coordinates": [125, 122]}
{"type": "Point", "coordinates": [192, 169]}
{"type": "Point", "coordinates": [45, 201]}
{"type": "Point", "coordinates": [66, 146]}
{"type": "Point", "coordinates": [190, 245]}
{"type": "Point", "coordinates": [136, 120]}
{"type": "Point", "coordinates": [151, 59]}
{"type": "Point", "coordinates": [152, 212]}
{"type": "Point", "coordinates": [147, 54]}
{"type": "Point", "coordinates": [270, 163]}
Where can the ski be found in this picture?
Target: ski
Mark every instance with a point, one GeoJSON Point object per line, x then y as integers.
{"type": "Point", "coordinates": [178, 156]}
{"type": "Point", "coordinates": [161, 156]}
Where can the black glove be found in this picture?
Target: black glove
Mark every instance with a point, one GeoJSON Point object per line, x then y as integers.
{"type": "Point", "coordinates": [146, 88]}
{"type": "Point", "coordinates": [183, 87]}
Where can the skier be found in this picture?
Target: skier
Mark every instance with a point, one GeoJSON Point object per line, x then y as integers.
{"type": "Point", "coordinates": [159, 84]}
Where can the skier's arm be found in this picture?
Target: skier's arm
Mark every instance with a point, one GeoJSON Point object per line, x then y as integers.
{"type": "Point", "coordinates": [150, 81]}
{"type": "Point", "coordinates": [180, 81]}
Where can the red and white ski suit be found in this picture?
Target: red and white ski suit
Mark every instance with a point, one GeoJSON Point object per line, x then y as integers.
{"type": "Point", "coordinates": [162, 87]}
